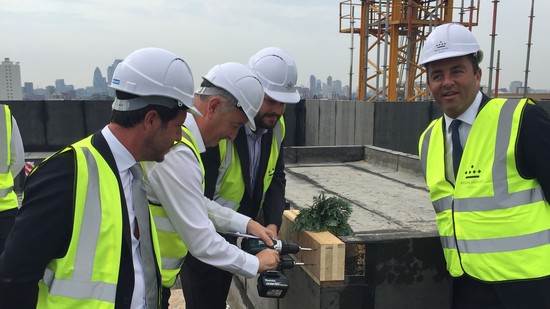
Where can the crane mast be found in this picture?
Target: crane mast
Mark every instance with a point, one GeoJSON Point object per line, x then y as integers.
{"type": "Point", "coordinates": [391, 35]}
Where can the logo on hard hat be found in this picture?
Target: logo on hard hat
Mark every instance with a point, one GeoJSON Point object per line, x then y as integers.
{"type": "Point", "coordinates": [289, 85]}
{"type": "Point", "coordinates": [116, 81]}
{"type": "Point", "coordinates": [441, 46]}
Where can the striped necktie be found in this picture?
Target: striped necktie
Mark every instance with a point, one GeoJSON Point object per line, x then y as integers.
{"type": "Point", "coordinates": [141, 209]}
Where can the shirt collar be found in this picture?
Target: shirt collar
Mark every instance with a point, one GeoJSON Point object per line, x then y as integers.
{"type": "Point", "coordinates": [254, 135]}
{"type": "Point", "coordinates": [123, 158]}
{"type": "Point", "coordinates": [192, 126]}
{"type": "Point", "coordinates": [468, 116]}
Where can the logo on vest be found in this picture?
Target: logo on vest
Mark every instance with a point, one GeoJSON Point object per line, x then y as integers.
{"type": "Point", "coordinates": [472, 172]}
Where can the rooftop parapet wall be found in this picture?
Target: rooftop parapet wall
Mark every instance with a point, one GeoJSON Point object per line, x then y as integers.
{"type": "Point", "coordinates": [51, 125]}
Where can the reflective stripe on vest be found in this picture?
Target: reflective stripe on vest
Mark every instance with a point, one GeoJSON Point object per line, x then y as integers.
{"type": "Point", "coordinates": [88, 274]}
{"type": "Point", "coordinates": [8, 198]}
{"type": "Point", "coordinates": [172, 248]}
{"type": "Point", "coordinates": [500, 219]}
{"type": "Point", "coordinates": [230, 185]}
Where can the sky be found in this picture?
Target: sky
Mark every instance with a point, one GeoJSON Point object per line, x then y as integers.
{"type": "Point", "coordinates": [68, 39]}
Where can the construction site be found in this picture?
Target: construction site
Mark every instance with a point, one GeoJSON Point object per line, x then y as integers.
{"type": "Point", "coordinates": [389, 36]}
{"type": "Point", "coordinates": [364, 151]}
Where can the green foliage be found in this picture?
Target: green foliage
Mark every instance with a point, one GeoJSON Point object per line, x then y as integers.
{"type": "Point", "coordinates": [326, 214]}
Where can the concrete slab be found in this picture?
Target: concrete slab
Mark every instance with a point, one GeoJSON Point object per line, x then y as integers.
{"type": "Point", "coordinates": [325, 154]}
{"type": "Point", "coordinates": [327, 123]}
{"type": "Point", "coordinates": [345, 123]}
{"type": "Point", "coordinates": [364, 123]}
{"type": "Point", "coordinates": [312, 122]}
{"type": "Point", "coordinates": [384, 200]}
{"type": "Point", "coordinates": [64, 123]}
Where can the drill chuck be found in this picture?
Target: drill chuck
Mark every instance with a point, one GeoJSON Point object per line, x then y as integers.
{"type": "Point", "coordinates": [254, 245]}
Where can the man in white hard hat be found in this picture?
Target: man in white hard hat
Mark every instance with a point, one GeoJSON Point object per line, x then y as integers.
{"type": "Point", "coordinates": [247, 174]}
{"type": "Point", "coordinates": [83, 237]}
{"type": "Point", "coordinates": [487, 166]}
{"type": "Point", "coordinates": [229, 97]}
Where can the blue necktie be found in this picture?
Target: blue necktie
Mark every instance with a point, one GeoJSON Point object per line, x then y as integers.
{"type": "Point", "coordinates": [457, 147]}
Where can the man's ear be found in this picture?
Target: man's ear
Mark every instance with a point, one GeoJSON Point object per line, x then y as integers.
{"type": "Point", "coordinates": [214, 104]}
{"type": "Point", "coordinates": [150, 119]}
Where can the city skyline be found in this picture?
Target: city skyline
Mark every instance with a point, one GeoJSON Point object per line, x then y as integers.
{"type": "Point", "coordinates": [316, 88]}
{"type": "Point", "coordinates": [100, 87]}
{"type": "Point", "coordinates": [55, 39]}
{"type": "Point", "coordinates": [98, 72]}
{"type": "Point", "coordinates": [110, 69]}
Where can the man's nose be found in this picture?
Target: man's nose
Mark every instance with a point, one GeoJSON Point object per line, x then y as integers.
{"type": "Point", "coordinates": [448, 80]}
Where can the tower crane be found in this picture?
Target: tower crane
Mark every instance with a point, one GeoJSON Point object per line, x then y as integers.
{"type": "Point", "coordinates": [391, 34]}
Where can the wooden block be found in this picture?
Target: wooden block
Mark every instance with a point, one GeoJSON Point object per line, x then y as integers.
{"type": "Point", "coordinates": [326, 262]}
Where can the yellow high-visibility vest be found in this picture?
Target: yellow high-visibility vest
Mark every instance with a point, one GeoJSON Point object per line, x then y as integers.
{"type": "Point", "coordinates": [494, 224]}
{"type": "Point", "coordinates": [230, 184]}
{"type": "Point", "coordinates": [8, 198]}
{"type": "Point", "coordinates": [87, 276]}
{"type": "Point", "coordinates": [172, 248]}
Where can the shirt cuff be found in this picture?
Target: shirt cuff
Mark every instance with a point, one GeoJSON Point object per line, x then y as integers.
{"type": "Point", "coordinates": [251, 266]}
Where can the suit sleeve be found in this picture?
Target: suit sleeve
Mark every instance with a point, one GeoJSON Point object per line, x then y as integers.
{"type": "Point", "coordinates": [275, 202]}
{"type": "Point", "coordinates": [41, 232]}
{"type": "Point", "coordinates": [534, 147]}
{"type": "Point", "coordinates": [211, 161]}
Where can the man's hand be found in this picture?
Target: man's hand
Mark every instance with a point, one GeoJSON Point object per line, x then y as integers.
{"type": "Point", "coordinates": [264, 233]}
{"type": "Point", "coordinates": [268, 258]}
{"type": "Point", "coordinates": [273, 229]}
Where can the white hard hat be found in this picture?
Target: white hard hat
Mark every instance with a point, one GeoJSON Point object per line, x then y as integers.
{"type": "Point", "coordinates": [448, 41]}
{"type": "Point", "coordinates": [241, 83]}
{"type": "Point", "coordinates": [154, 73]}
{"type": "Point", "coordinates": [278, 73]}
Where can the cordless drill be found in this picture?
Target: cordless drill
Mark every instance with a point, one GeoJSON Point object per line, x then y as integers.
{"type": "Point", "coordinates": [272, 283]}
{"type": "Point", "coordinates": [255, 245]}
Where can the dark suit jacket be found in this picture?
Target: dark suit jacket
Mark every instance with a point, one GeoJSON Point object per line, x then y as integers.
{"type": "Point", "coordinates": [43, 229]}
{"type": "Point", "coordinates": [274, 203]}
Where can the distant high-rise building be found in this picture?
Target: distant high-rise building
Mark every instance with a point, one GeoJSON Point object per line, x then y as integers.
{"type": "Point", "coordinates": [99, 80]}
{"type": "Point", "coordinates": [50, 91]}
{"type": "Point", "coordinates": [10, 81]}
{"type": "Point", "coordinates": [111, 70]}
{"type": "Point", "coordinates": [346, 90]}
{"type": "Point", "coordinates": [337, 86]}
{"type": "Point", "coordinates": [28, 91]}
{"type": "Point", "coordinates": [319, 87]}
{"type": "Point", "coordinates": [313, 84]}
{"type": "Point", "coordinates": [328, 92]}
{"type": "Point", "coordinates": [60, 86]}
{"type": "Point", "coordinates": [516, 87]}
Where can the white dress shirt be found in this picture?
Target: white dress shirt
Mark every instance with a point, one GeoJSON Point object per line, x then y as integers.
{"type": "Point", "coordinates": [176, 184]}
{"type": "Point", "coordinates": [124, 160]}
{"type": "Point", "coordinates": [467, 118]}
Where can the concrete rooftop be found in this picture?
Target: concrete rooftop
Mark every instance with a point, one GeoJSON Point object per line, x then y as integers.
{"type": "Point", "coordinates": [385, 200]}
